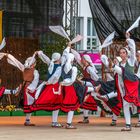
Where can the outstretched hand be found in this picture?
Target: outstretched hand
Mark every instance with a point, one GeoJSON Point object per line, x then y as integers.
{"type": "Point", "coordinates": [69, 44]}
{"type": "Point", "coordinates": [36, 52]}
{"type": "Point", "coordinates": [127, 35]}
{"type": "Point", "coordinates": [6, 55]}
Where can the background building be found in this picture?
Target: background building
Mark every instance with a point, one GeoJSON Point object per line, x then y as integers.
{"type": "Point", "coordinates": [86, 27]}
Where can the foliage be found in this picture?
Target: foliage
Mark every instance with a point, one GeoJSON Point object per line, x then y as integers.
{"type": "Point", "coordinates": [53, 43]}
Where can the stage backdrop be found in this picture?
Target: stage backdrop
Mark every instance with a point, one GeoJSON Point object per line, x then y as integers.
{"type": "Point", "coordinates": [115, 15]}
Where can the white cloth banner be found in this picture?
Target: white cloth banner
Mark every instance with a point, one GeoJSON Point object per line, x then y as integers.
{"type": "Point", "coordinates": [76, 39]}
{"type": "Point", "coordinates": [3, 43]}
{"type": "Point", "coordinates": [2, 55]}
{"type": "Point", "coordinates": [108, 41]}
{"type": "Point", "coordinates": [13, 61]}
{"type": "Point", "coordinates": [134, 25]}
{"type": "Point", "coordinates": [59, 30]}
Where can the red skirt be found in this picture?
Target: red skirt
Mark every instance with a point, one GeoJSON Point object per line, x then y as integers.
{"type": "Point", "coordinates": [29, 99]}
{"type": "Point", "coordinates": [47, 100]}
{"type": "Point", "coordinates": [70, 100]}
{"type": "Point", "coordinates": [132, 92]}
{"type": "Point", "coordinates": [89, 104]}
{"type": "Point", "coordinates": [2, 89]}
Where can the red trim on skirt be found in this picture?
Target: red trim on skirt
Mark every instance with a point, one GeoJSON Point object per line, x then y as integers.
{"type": "Point", "coordinates": [70, 100]}
{"type": "Point", "coordinates": [2, 89]}
{"type": "Point", "coordinates": [89, 104]}
{"type": "Point", "coordinates": [27, 108]}
{"type": "Point", "coordinates": [47, 100]}
{"type": "Point", "coordinates": [131, 92]}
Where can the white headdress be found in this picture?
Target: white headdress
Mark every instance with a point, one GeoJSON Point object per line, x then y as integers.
{"type": "Point", "coordinates": [29, 61]}
{"type": "Point", "coordinates": [127, 50]}
{"type": "Point", "coordinates": [55, 57]}
{"type": "Point", "coordinates": [69, 60]}
{"type": "Point", "coordinates": [88, 59]}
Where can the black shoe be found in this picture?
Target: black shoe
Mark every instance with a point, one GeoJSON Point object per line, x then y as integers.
{"type": "Point", "coordinates": [113, 123]}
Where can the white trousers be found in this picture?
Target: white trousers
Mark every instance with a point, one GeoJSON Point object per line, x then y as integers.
{"type": "Point", "coordinates": [70, 117]}
{"type": "Point", "coordinates": [126, 109]}
{"type": "Point", "coordinates": [28, 116]}
{"type": "Point", "coordinates": [139, 117]}
{"type": "Point", "coordinates": [112, 94]}
{"type": "Point", "coordinates": [114, 117]}
{"type": "Point", "coordinates": [85, 112]}
{"type": "Point", "coordinates": [55, 116]}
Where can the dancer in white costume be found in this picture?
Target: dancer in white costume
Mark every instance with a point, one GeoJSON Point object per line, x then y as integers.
{"type": "Point", "coordinates": [109, 77]}
{"type": "Point", "coordinates": [31, 80]}
{"type": "Point", "coordinates": [53, 100]}
{"type": "Point", "coordinates": [125, 73]}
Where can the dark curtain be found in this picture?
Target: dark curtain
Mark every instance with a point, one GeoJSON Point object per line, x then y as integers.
{"type": "Point", "coordinates": [115, 15]}
{"type": "Point", "coordinates": [28, 18]}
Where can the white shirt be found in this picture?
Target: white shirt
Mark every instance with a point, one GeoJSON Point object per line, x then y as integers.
{"type": "Point", "coordinates": [132, 55]}
{"type": "Point", "coordinates": [56, 75]}
{"type": "Point", "coordinates": [77, 57]}
{"type": "Point", "coordinates": [90, 69]}
{"type": "Point", "coordinates": [64, 55]}
{"type": "Point", "coordinates": [138, 71]}
{"type": "Point", "coordinates": [131, 61]}
{"type": "Point", "coordinates": [32, 87]}
{"type": "Point", "coordinates": [109, 77]}
{"type": "Point", "coordinates": [92, 73]}
{"type": "Point", "coordinates": [70, 81]}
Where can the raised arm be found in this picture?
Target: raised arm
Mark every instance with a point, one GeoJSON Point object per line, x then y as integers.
{"type": "Point", "coordinates": [138, 72]}
{"type": "Point", "coordinates": [2, 55]}
{"type": "Point", "coordinates": [117, 69]}
{"type": "Point", "coordinates": [13, 61]}
{"type": "Point", "coordinates": [55, 77]}
{"type": "Point", "coordinates": [132, 47]}
{"type": "Point", "coordinates": [44, 57]}
{"type": "Point", "coordinates": [104, 60]}
{"type": "Point", "coordinates": [92, 73]}
{"type": "Point", "coordinates": [65, 53]}
{"type": "Point", "coordinates": [77, 57]}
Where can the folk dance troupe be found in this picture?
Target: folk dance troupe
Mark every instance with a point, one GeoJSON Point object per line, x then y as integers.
{"type": "Point", "coordinates": [64, 91]}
